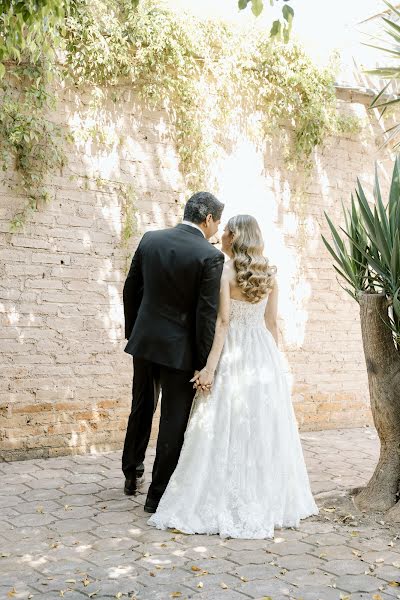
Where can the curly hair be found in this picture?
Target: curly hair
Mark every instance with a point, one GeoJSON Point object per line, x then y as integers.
{"type": "Point", "coordinates": [254, 274]}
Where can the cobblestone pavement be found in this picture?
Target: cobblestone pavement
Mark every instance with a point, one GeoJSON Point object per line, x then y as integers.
{"type": "Point", "coordinates": [67, 530]}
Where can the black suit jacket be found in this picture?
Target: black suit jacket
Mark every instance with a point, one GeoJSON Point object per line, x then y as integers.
{"type": "Point", "coordinates": [171, 298]}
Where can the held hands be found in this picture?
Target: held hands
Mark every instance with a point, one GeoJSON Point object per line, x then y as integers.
{"type": "Point", "coordinates": [203, 379]}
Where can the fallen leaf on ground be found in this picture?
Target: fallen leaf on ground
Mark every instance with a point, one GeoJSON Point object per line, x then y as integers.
{"type": "Point", "coordinates": [376, 597]}
{"type": "Point", "coordinates": [200, 584]}
{"type": "Point", "coordinates": [11, 593]}
{"type": "Point", "coordinates": [354, 533]}
{"type": "Point", "coordinates": [329, 509]}
{"type": "Point", "coordinates": [356, 553]}
{"type": "Point", "coordinates": [86, 581]}
{"type": "Point", "coordinates": [394, 583]}
{"type": "Point", "coordinates": [39, 509]}
{"type": "Point", "coordinates": [194, 568]}
{"type": "Point", "coordinates": [176, 531]}
{"type": "Point", "coordinates": [118, 595]}
{"type": "Point", "coordinates": [278, 540]}
{"type": "Point", "coordinates": [5, 554]}
{"type": "Point", "coordinates": [380, 560]}
{"type": "Point", "coordinates": [244, 579]}
{"type": "Point", "coordinates": [62, 592]}
{"type": "Point", "coordinates": [159, 567]}
{"type": "Point", "coordinates": [70, 581]}
{"type": "Point", "coordinates": [152, 574]}
{"type": "Point", "coordinates": [224, 586]}
{"type": "Point", "coordinates": [91, 594]}
{"type": "Point", "coordinates": [176, 594]}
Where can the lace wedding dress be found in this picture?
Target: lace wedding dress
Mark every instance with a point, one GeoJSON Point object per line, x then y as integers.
{"type": "Point", "coordinates": [241, 472]}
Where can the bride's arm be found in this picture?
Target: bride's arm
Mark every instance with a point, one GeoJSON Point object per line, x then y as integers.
{"type": "Point", "coordinates": [205, 376]}
{"type": "Point", "coordinates": [271, 312]}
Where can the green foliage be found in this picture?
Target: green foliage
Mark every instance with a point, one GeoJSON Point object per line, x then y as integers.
{"type": "Point", "coordinates": [212, 80]}
{"type": "Point", "coordinates": [369, 255]}
{"type": "Point", "coordinates": [28, 140]}
{"type": "Point", "coordinates": [29, 30]}
{"type": "Point", "coordinates": [391, 31]}
{"type": "Point", "coordinates": [281, 28]}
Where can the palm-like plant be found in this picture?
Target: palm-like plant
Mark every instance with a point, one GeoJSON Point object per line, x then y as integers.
{"type": "Point", "coordinates": [367, 256]}
{"type": "Point", "coordinates": [391, 48]}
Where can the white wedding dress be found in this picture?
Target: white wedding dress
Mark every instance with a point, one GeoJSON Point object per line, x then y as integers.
{"type": "Point", "coordinates": [241, 472]}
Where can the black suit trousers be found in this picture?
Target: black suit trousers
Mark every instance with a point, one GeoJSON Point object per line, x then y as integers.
{"type": "Point", "coordinates": [176, 403]}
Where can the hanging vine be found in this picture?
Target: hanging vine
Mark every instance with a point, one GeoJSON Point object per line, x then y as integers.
{"type": "Point", "coordinates": [207, 76]}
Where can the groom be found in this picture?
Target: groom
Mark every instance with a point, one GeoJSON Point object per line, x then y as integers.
{"type": "Point", "coordinates": [170, 304]}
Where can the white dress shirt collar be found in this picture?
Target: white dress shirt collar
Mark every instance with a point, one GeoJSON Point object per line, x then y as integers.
{"type": "Point", "coordinates": [193, 225]}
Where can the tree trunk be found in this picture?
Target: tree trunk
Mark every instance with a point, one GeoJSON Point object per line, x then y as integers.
{"type": "Point", "coordinates": [383, 367]}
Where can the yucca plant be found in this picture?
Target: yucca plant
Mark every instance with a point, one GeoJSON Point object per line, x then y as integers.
{"type": "Point", "coordinates": [367, 256]}
{"type": "Point", "coordinates": [391, 49]}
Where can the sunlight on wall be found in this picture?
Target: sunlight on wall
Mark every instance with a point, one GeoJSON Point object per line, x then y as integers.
{"type": "Point", "coordinates": [245, 188]}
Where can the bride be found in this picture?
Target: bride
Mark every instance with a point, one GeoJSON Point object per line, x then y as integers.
{"type": "Point", "coordinates": [241, 472]}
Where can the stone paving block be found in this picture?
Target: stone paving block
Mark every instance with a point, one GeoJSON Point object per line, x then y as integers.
{"type": "Point", "coordinates": [75, 512]}
{"type": "Point", "coordinates": [286, 548]}
{"type": "Point", "coordinates": [41, 495]}
{"type": "Point", "coordinates": [117, 543]}
{"type": "Point", "coordinates": [305, 577]}
{"type": "Point", "coordinates": [215, 565]}
{"type": "Point", "coordinates": [162, 561]}
{"type": "Point", "coordinates": [72, 525]}
{"type": "Point", "coordinates": [345, 567]}
{"type": "Point", "coordinates": [36, 519]}
{"type": "Point", "coordinates": [219, 594]}
{"type": "Point", "coordinates": [272, 587]}
{"type": "Point", "coordinates": [10, 500]}
{"type": "Point", "coordinates": [358, 583]}
{"type": "Point", "coordinates": [82, 488]}
{"type": "Point", "coordinates": [388, 573]}
{"type": "Point", "coordinates": [47, 484]}
{"type": "Point", "coordinates": [326, 539]}
{"type": "Point", "coordinates": [333, 552]}
{"type": "Point", "coordinates": [250, 557]}
{"type": "Point", "coordinates": [213, 582]}
{"type": "Point", "coordinates": [165, 592]}
{"type": "Point", "coordinates": [317, 593]}
{"type": "Point", "coordinates": [300, 561]}
{"type": "Point", "coordinates": [78, 500]}
{"type": "Point", "coordinates": [109, 517]}
{"type": "Point", "coordinates": [14, 490]}
{"type": "Point", "coordinates": [158, 577]}
{"type": "Point", "coordinates": [252, 572]}
{"type": "Point", "coordinates": [36, 507]}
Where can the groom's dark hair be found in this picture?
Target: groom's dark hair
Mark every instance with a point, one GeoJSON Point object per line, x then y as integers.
{"type": "Point", "coordinates": [200, 205]}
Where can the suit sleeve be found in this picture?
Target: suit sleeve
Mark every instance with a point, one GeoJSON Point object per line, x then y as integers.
{"type": "Point", "coordinates": [207, 307]}
{"type": "Point", "coordinates": [133, 292]}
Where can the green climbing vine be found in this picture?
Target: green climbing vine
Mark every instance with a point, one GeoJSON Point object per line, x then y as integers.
{"type": "Point", "coordinates": [213, 81]}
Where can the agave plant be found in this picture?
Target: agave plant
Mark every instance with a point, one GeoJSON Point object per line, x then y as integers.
{"type": "Point", "coordinates": [367, 256]}
{"type": "Point", "coordinates": [391, 73]}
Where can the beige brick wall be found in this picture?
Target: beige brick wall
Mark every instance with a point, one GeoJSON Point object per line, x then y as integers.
{"type": "Point", "coordinates": [64, 378]}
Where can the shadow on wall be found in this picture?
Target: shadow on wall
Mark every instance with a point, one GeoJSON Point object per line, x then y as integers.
{"type": "Point", "coordinates": [66, 380]}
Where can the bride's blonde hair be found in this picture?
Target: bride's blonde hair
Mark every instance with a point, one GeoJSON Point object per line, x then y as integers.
{"type": "Point", "coordinates": [254, 275]}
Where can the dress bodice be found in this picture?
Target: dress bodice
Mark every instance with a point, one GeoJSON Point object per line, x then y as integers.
{"type": "Point", "coordinates": [247, 314]}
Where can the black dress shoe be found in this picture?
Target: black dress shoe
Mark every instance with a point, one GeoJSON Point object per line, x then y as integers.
{"type": "Point", "coordinates": [130, 487]}
{"type": "Point", "coordinates": [151, 505]}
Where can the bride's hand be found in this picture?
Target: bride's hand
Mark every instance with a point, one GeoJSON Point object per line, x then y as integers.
{"type": "Point", "coordinates": [203, 380]}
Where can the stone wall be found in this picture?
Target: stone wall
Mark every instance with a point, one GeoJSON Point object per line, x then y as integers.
{"type": "Point", "coordinates": [65, 380]}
